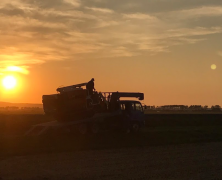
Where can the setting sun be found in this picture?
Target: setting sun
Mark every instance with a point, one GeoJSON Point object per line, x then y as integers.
{"type": "Point", "coordinates": [9, 82]}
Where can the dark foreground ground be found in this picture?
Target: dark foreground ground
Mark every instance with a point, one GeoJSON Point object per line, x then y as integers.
{"type": "Point", "coordinates": [190, 161]}
{"type": "Point", "coordinates": [17, 124]}
{"type": "Point", "coordinates": [169, 147]}
{"type": "Point", "coordinates": [160, 130]}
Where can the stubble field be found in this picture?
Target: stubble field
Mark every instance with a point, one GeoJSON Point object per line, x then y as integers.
{"type": "Point", "coordinates": [169, 147]}
{"type": "Point", "coordinates": [161, 129]}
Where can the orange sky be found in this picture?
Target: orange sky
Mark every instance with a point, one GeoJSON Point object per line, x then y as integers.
{"type": "Point", "coordinates": [162, 48]}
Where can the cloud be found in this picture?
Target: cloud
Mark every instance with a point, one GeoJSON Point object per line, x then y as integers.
{"type": "Point", "coordinates": [220, 53]}
{"type": "Point", "coordinates": [17, 69]}
{"type": "Point", "coordinates": [140, 16]}
{"type": "Point", "coordinates": [13, 57]}
{"type": "Point", "coordinates": [75, 3]}
{"type": "Point", "coordinates": [22, 69]}
{"type": "Point", "coordinates": [197, 31]}
{"type": "Point", "coordinates": [102, 23]}
{"type": "Point", "coordinates": [101, 10]}
{"type": "Point", "coordinates": [11, 11]}
{"type": "Point", "coordinates": [198, 12]}
{"type": "Point", "coordinates": [202, 11]}
{"type": "Point", "coordinates": [121, 52]}
{"type": "Point", "coordinates": [52, 4]}
{"type": "Point", "coordinates": [36, 32]}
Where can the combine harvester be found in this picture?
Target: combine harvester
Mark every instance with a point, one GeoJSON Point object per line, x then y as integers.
{"type": "Point", "coordinates": [74, 109]}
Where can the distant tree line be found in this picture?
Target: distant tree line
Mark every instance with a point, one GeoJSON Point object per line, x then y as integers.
{"type": "Point", "coordinates": [184, 108]}
{"type": "Point", "coordinates": [19, 108]}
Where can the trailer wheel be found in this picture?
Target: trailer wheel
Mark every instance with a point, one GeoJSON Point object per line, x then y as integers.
{"type": "Point", "coordinates": [135, 127]}
{"type": "Point", "coordinates": [95, 128]}
{"type": "Point", "coordinates": [83, 129]}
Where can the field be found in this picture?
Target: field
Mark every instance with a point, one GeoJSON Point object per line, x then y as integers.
{"type": "Point", "coordinates": [161, 129]}
{"type": "Point", "coordinates": [170, 146]}
{"type": "Point", "coordinates": [193, 161]}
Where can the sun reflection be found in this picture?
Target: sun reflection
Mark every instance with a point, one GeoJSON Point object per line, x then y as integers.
{"type": "Point", "coordinates": [213, 66]}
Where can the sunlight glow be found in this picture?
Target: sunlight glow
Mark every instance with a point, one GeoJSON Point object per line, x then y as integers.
{"type": "Point", "coordinates": [17, 69]}
{"type": "Point", "coordinates": [9, 82]}
{"type": "Point", "coordinates": [213, 66]}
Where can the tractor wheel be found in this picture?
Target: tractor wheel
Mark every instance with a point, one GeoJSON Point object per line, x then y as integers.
{"type": "Point", "coordinates": [135, 127]}
{"type": "Point", "coordinates": [83, 129]}
{"type": "Point", "coordinates": [95, 128]}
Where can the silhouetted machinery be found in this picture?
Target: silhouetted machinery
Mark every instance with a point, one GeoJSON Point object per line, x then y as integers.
{"type": "Point", "coordinates": [71, 103]}
{"type": "Point", "coordinates": [74, 103]}
{"type": "Point", "coordinates": [73, 106]}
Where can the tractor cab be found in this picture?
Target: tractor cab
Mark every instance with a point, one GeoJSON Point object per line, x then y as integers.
{"type": "Point", "coordinates": [132, 109]}
{"type": "Point", "coordinates": [130, 106]}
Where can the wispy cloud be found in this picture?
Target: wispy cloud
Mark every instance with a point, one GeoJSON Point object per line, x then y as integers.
{"type": "Point", "coordinates": [21, 69]}
{"type": "Point", "coordinates": [103, 23]}
{"type": "Point", "coordinates": [18, 58]}
{"type": "Point", "coordinates": [17, 69]}
{"type": "Point", "coordinates": [220, 53]}
{"type": "Point", "coordinates": [75, 3]}
{"type": "Point", "coordinates": [197, 31]}
{"type": "Point", "coordinates": [198, 12]}
{"type": "Point", "coordinates": [202, 11]}
{"type": "Point", "coordinates": [140, 16]}
{"type": "Point", "coordinates": [102, 10]}
{"type": "Point", "coordinates": [35, 32]}
{"type": "Point", "coordinates": [121, 52]}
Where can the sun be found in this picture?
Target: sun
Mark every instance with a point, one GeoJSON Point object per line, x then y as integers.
{"type": "Point", "coordinates": [9, 82]}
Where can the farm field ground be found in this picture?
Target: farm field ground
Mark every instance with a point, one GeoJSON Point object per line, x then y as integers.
{"type": "Point", "coordinates": [187, 161]}
{"type": "Point", "coordinates": [169, 147]}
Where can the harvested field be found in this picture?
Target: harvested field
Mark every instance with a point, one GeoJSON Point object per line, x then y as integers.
{"type": "Point", "coordinates": [159, 130]}
{"type": "Point", "coordinates": [66, 142]}
{"type": "Point", "coordinates": [17, 124]}
{"type": "Point", "coordinates": [170, 147]}
{"type": "Point", "coordinates": [194, 161]}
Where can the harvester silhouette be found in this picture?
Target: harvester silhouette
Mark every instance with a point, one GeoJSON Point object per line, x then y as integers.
{"type": "Point", "coordinates": [73, 108]}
